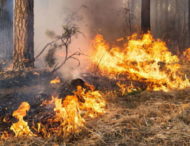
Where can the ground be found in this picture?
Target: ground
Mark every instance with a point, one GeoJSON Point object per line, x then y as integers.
{"type": "Point", "coordinates": [142, 118]}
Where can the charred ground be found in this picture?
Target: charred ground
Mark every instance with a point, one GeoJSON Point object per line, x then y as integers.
{"type": "Point", "coordinates": [139, 118]}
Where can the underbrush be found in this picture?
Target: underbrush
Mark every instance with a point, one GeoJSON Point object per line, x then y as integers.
{"type": "Point", "coordinates": [141, 118]}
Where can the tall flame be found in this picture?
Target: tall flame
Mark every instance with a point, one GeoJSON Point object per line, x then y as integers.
{"type": "Point", "coordinates": [140, 58]}
{"type": "Point", "coordinates": [68, 114]}
{"type": "Point", "coordinates": [21, 128]}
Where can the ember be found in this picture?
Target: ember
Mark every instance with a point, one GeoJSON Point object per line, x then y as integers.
{"type": "Point", "coordinates": [57, 80]}
{"type": "Point", "coordinates": [126, 89]}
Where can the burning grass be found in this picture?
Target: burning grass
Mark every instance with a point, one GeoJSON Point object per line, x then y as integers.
{"type": "Point", "coordinates": [147, 118]}
{"type": "Point", "coordinates": [140, 58]}
{"type": "Point", "coordinates": [127, 105]}
{"type": "Point", "coordinates": [69, 117]}
{"type": "Point", "coordinates": [186, 55]}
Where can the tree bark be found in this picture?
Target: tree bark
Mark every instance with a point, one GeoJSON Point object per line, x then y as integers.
{"type": "Point", "coordinates": [23, 34]}
{"type": "Point", "coordinates": [145, 16]}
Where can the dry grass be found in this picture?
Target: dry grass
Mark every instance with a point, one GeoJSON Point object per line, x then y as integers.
{"type": "Point", "coordinates": [145, 118]}
{"type": "Point", "coordinates": [148, 118]}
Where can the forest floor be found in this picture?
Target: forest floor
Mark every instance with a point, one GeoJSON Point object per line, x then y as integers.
{"type": "Point", "coordinates": [143, 118]}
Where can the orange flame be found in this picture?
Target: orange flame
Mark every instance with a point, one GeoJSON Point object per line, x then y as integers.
{"type": "Point", "coordinates": [21, 128]}
{"type": "Point", "coordinates": [140, 58]}
{"type": "Point", "coordinates": [186, 54]}
{"type": "Point", "coordinates": [94, 104]}
{"type": "Point", "coordinates": [70, 112]}
{"type": "Point", "coordinates": [125, 89]}
{"type": "Point", "coordinates": [57, 80]}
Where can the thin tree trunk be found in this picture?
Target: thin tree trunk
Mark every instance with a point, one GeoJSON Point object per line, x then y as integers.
{"type": "Point", "coordinates": [145, 16]}
{"type": "Point", "coordinates": [23, 34]}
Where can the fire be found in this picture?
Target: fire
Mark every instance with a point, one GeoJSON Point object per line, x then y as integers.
{"type": "Point", "coordinates": [140, 59]}
{"type": "Point", "coordinates": [68, 114]}
{"type": "Point", "coordinates": [71, 113]}
{"type": "Point", "coordinates": [94, 104]}
{"type": "Point", "coordinates": [126, 89]}
{"type": "Point", "coordinates": [186, 54]}
{"type": "Point", "coordinates": [21, 128]}
{"type": "Point", "coordinates": [57, 80]}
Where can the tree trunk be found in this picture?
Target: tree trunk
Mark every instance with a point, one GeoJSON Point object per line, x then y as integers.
{"type": "Point", "coordinates": [23, 34]}
{"type": "Point", "coordinates": [145, 16]}
{"type": "Point", "coordinates": [189, 15]}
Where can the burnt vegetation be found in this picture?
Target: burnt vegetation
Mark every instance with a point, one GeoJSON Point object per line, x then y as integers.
{"type": "Point", "coordinates": [134, 89]}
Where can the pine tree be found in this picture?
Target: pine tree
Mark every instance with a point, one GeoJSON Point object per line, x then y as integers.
{"type": "Point", "coordinates": [23, 34]}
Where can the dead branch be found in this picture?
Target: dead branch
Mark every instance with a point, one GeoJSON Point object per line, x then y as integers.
{"type": "Point", "coordinates": [63, 42]}
{"type": "Point", "coordinates": [72, 56]}
{"type": "Point", "coordinates": [45, 47]}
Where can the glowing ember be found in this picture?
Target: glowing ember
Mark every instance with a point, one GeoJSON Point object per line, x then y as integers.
{"type": "Point", "coordinates": [21, 128]}
{"type": "Point", "coordinates": [142, 59]}
{"type": "Point", "coordinates": [5, 135]}
{"type": "Point", "coordinates": [57, 80]}
{"type": "Point", "coordinates": [125, 89]}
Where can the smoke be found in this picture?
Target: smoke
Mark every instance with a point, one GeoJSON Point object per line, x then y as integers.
{"type": "Point", "coordinates": [106, 17]}
{"type": "Point", "coordinates": [91, 16]}
{"type": "Point", "coordinates": [52, 15]}
{"type": "Point", "coordinates": [6, 15]}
